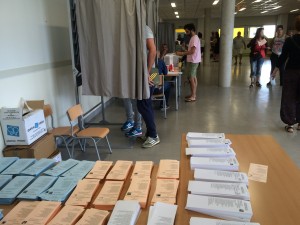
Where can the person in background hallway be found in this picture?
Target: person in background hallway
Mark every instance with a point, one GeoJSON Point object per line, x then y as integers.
{"type": "Point", "coordinates": [145, 105]}
{"type": "Point", "coordinates": [238, 46]}
{"type": "Point", "coordinates": [163, 50]}
{"type": "Point", "coordinates": [216, 48]}
{"type": "Point", "coordinates": [180, 38]}
{"type": "Point", "coordinates": [276, 47]}
{"type": "Point", "coordinates": [258, 46]}
{"type": "Point", "coordinates": [193, 59]}
{"type": "Point", "coordinates": [290, 99]}
{"type": "Point", "coordinates": [202, 42]}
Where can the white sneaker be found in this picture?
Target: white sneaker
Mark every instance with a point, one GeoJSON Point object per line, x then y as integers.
{"type": "Point", "coordinates": [150, 142]}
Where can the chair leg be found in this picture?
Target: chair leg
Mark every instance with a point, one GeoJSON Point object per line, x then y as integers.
{"type": "Point", "coordinates": [73, 141]}
{"type": "Point", "coordinates": [96, 147]}
{"type": "Point", "coordinates": [108, 144]}
{"type": "Point", "coordinates": [165, 106]}
{"type": "Point", "coordinates": [67, 147]}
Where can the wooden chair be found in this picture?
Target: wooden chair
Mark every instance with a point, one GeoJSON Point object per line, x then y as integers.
{"type": "Point", "coordinates": [63, 133]}
{"type": "Point", "coordinates": [161, 96]}
{"type": "Point", "coordinates": [94, 133]}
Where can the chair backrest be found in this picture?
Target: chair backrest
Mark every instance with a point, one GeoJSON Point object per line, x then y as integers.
{"type": "Point", "coordinates": [74, 112]}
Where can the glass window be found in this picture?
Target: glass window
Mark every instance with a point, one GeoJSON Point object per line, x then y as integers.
{"type": "Point", "coordinates": [269, 31]}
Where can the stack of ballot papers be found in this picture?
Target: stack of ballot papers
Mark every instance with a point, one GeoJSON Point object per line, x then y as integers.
{"type": "Point", "coordinates": [17, 214]}
{"type": "Point", "coordinates": [93, 217]}
{"type": "Point", "coordinates": [139, 190]}
{"type": "Point", "coordinates": [142, 169]}
{"type": "Point", "coordinates": [6, 162]}
{"type": "Point", "coordinates": [61, 168]}
{"type": "Point", "coordinates": [68, 215]}
{"type": "Point", "coordinates": [168, 169]}
{"type": "Point", "coordinates": [83, 193]}
{"type": "Point", "coordinates": [80, 170]}
{"type": "Point", "coordinates": [125, 213]}
{"type": "Point", "coordinates": [220, 176]}
{"type": "Point", "coordinates": [208, 143]}
{"type": "Point", "coordinates": [42, 213]}
{"type": "Point", "coordinates": [120, 170]}
{"type": "Point", "coordinates": [108, 195]}
{"type": "Point", "coordinates": [224, 208]}
{"type": "Point", "coordinates": [99, 170]}
{"type": "Point", "coordinates": [60, 191]}
{"type": "Point", "coordinates": [197, 136]}
{"type": "Point", "coordinates": [39, 185]}
{"type": "Point", "coordinates": [162, 214]}
{"type": "Point", "coordinates": [225, 190]}
{"type": "Point", "coordinates": [9, 193]}
{"type": "Point", "coordinates": [4, 179]}
{"type": "Point", "coordinates": [204, 221]}
{"type": "Point", "coordinates": [165, 191]}
{"type": "Point", "coordinates": [211, 152]}
{"type": "Point", "coordinates": [228, 164]}
{"type": "Point", "coordinates": [1, 214]}
{"type": "Point", "coordinates": [39, 167]}
{"type": "Point", "coordinates": [18, 166]}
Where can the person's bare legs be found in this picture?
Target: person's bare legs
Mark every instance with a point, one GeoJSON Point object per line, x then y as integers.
{"type": "Point", "coordinates": [235, 57]}
{"type": "Point", "coordinates": [241, 56]}
{"type": "Point", "coordinates": [193, 83]}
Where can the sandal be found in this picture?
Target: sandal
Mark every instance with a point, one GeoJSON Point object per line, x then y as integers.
{"type": "Point", "coordinates": [258, 84]}
{"type": "Point", "coordinates": [289, 129]}
{"type": "Point", "coordinates": [190, 100]}
{"type": "Point", "coordinates": [251, 86]}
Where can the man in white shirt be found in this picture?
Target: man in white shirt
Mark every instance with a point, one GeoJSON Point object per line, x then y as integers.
{"type": "Point", "coordinates": [238, 46]}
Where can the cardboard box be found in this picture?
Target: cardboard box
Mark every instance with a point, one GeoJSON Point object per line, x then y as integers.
{"type": "Point", "coordinates": [42, 148]}
{"type": "Point", "coordinates": [19, 129]}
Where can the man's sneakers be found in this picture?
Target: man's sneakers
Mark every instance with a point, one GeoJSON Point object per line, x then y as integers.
{"type": "Point", "coordinates": [150, 142]}
{"type": "Point", "coordinates": [127, 125]}
{"type": "Point", "coordinates": [134, 132]}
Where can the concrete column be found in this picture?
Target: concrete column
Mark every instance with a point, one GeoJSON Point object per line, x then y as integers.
{"type": "Point", "coordinates": [227, 25]}
{"type": "Point", "coordinates": [207, 30]}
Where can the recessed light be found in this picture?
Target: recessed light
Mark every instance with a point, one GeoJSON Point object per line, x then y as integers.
{"type": "Point", "coordinates": [215, 2]}
{"type": "Point", "coordinates": [177, 16]}
{"type": "Point", "coordinates": [257, 1]}
{"type": "Point", "coordinates": [176, 13]}
{"type": "Point", "coordinates": [242, 9]}
{"type": "Point", "coordinates": [277, 7]}
{"type": "Point", "coordinates": [264, 11]}
{"type": "Point", "coordinates": [173, 4]}
{"type": "Point", "coordinates": [294, 10]}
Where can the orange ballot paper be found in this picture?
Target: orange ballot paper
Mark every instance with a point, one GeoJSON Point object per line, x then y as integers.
{"type": "Point", "coordinates": [69, 215]}
{"type": "Point", "coordinates": [108, 195]}
{"type": "Point", "coordinates": [168, 169]}
{"type": "Point", "coordinates": [93, 217]}
{"type": "Point", "coordinates": [83, 193]}
{"type": "Point", "coordinates": [139, 191]}
{"type": "Point", "coordinates": [142, 169]}
{"type": "Point", "coordinates": [166, 191]}
{"type": "Point", "coordinates": [120, 170]}
{"type": "Point", "coordinates": [99, 170]}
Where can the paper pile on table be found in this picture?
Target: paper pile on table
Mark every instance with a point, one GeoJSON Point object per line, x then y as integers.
{"type": "Point", "coordinates": [227, 164]}
{"type": "Point", "coordinates": [6, 162]}
{"type": "Point", "coordinates": [99, 170]}
{"type": "Point", "coordinates": [68, 215]}
{"type": "Point", "coordinates": [162, 213]}
{"type": "Point", "coordinates": [4, 179]}
{"type": "Point", "coordinates": [39, 167]}
{"type": "Point", "coordinates": [18, 166]}
{"type": "Point", "coordinates": [142, 169]}
{"type": "Point", "coordinates": [61, 168]}
{"type": "Point", "coordinates": [139, 190]}
{"type": "Point", "coordinates": [211, 152]}
{"type": "Point", "coordinates": [165, 191]}
{"type": "Point", "coordinates": [120, 170]}
{"type": "Point", "coordinates": [199, 136]}
{"type": "Point", "coordinates": [168, 169]}
{"type": "Point", "coordinates": [204, 221]}
{"type": "Point", "coordinates": [208, 143]}
{"type": "Point", "coordinates": [93, 216]}
{"type": "Point", "coordinates": [80, 170]}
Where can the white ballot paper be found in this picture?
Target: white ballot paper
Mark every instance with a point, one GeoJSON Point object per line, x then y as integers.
{"type": "Point", "coordinates": [228, 164]}
{"type": "Point", "coordinates": [258, 172]}
{"type": "Point", "coordinates": [220, 176]}
{"type": "Point", "coordinates": [196, 136]}
{"type": "Point", "coordinates": [61, 167]}
{"type": "Point", "coordinates": [4, 179]}
{"type": "Point", "coordinates": [205, 221]}
{"type": "Point", "coordinates": [210, 152]}
{"type": "Point", "coordinates": [6, 162]}
{"type": "Point", "coordinates": [39, 167]}
{"type": "Point", "coordinates": [208, 143]}
{"type": "Point", "coordinates": [224, 208]}
{"type": "Point", "coordinates": [38, 186]}
{"type": "Point", "coordinates": [18, 166]}
{"type": "Point", "coordinates": [125, 213]}
{"type": "Point", "coordinates": [162, 214]}
{"type": "Point", "coordinates": [225, 190]}
{"type": "Point", "coordinates": [80, 170]}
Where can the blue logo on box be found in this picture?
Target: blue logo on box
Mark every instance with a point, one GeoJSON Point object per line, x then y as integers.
{"type": "Point", "coordinates": [13, 131]}
{"type": "Point", "coordinates": [36, 125]}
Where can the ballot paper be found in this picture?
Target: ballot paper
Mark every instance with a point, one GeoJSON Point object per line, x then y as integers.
{"type": "Point", "coordinates": [39, 167]}
{"type": "Point", "coordinates": [61, 168]}
{"type": "Point", "coordinates": [99, 170]}
{"type": "Point", "coordinates": [17, 214]}
{"type": "Point", "coordinates": [80, 170]}
{"type": "Point", "coordinates": [208, 143]}
{"type": "Point", "coordinates": [142, 169]}
{"type": "Point", "coordinates": [224, 208]}
{"type": "Point", "coordinates": [93, 217]}
{"type": "Point", "coordinates": [42, 213]}
{"type": "Point", "coordinates": [9, 193]}
{"type": "Point", "coordinates": [168, 169]}
{"type": "Point", "coordinates": [18, 166]}
{"type": "Point", "coordinates": [162, 214]}
{"type": "Point", "coordinates": [227, 164]}
{"type": "Point", "coordinates": [120, 170]}
{"type": "Point", "coordinates": [165, 191]}
{"type": "Point", "coordinates": [68, 215]}
{"type": "Point", "coordinates": [220, 176]}
{"type": "Point", "coordinates": [210, 152]}
{"type": "Point", "coordinates": [217, 189]}
{"type": "Point", "coordinates": [4, 179]}
{"type": "Point", "coordinates": [258, 172]}
{"type": "Point", "coordinates": [38, 186]}
{"type": "Point", "coordinates": [139, 190]}
{"type": "Point", "coordinates": [196, 136]}
{"type": "Point", "coordinates": [6, 162]}
{"type": "Point", "coordinates": [60, 191]}
{"type": "Point", "coordinates": [1, 214]}
{"type": "Point", "coordinates": [83, 193]}
{"type": "Point", "coordinates": [125, 213]}
{"type": "Point", "coordinates": [108, 195]}
{"type": "Point", "coordinates": [205, 221]}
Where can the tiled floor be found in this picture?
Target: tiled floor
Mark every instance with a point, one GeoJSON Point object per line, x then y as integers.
{"type": "Point", "coordinates": [235, 110]}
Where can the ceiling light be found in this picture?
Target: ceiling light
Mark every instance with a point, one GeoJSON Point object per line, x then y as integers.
{"type": "Point", "coordinates": [215, 2]}
{"type": "Point", "coordinates": [173, 4]}
{"type": "Point", "coordinates": [242, 9]}
{"type": "Point", "coordinates": [277, 7]}
{"type": "Point", "coordinates": [235, 13]}
{"type": "Point", "coordinates": [257, 1]}
{"type": "Point", "coordinates": [177, 16]}
{"type": "Point", "coordinates": [264, 11]}
{"type": "Point", "coordinates": [294, 10]}
{"type": "Point", "coordinates": [176, 13]}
